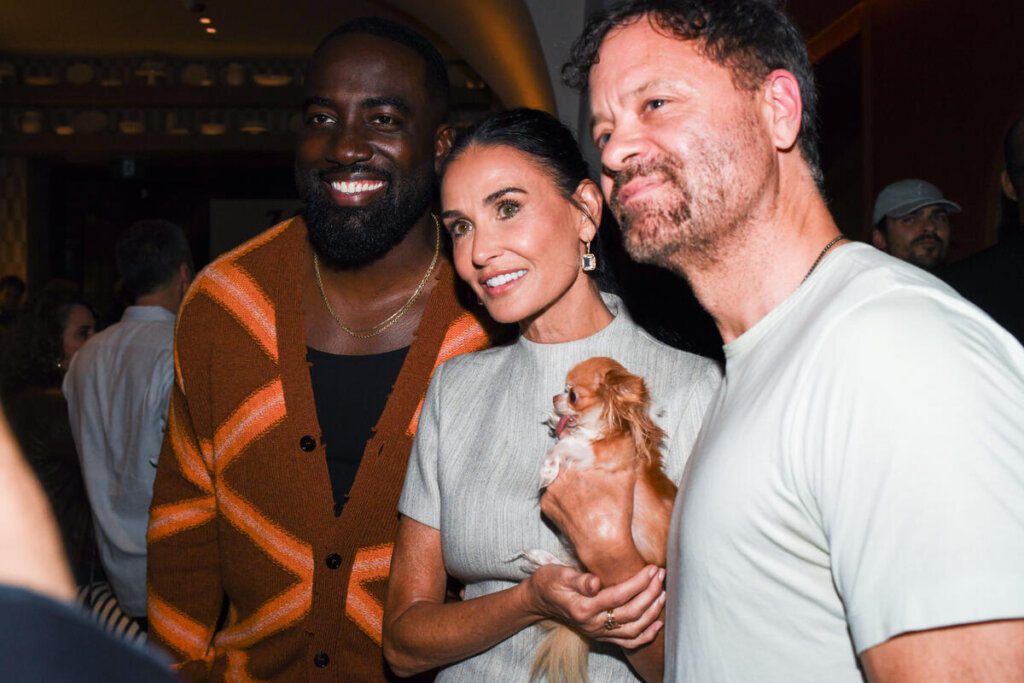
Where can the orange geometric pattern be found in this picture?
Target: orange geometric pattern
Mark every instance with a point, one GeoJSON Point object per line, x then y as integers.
{"type": "Point", "coordinates": [236, 671]}
{"type": "Point", "coordinates": [187, 635]}
{"type": "Point", "coordinates": [253, 418]}
{"type": "Point", "coordinates": [256, 415]}
{"type": "Point", "coordinates": [464, 335]}
{"type": "Point", "coordinates": [370, 565]}
{"type": "Point", "coordinates": [228, 285]}
{"type": "Point", "coordinates": [199, 284]}
{"type": "Point", "coordinates": [166, 520]}
{"type": "Point", "coordinates": [173, 518]}
{"type": "Point", "coordinates": [232, 287]}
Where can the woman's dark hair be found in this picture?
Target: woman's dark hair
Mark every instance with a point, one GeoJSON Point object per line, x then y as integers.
{"type": "Point", "coordinates": [750, 37]}
{"type": "Point", "coordinates": [550, 143]}
{"type": "Point", "coordinates": [36, 342]}
{"type": "Point", "coordinates": [533, 132]}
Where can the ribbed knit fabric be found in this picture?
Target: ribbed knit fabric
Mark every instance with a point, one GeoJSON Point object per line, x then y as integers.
{"type": "Point", "coordinates": [242, 505]}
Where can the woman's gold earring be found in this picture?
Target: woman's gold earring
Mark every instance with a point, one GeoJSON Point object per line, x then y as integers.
{"type": "Point", "coordinates": [588, 260]}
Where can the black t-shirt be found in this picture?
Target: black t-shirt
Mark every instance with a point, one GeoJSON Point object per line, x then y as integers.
{"type": "Point", "coordinates": [350, 393]}
{"type": "Point", "coordinates": [46, 640]}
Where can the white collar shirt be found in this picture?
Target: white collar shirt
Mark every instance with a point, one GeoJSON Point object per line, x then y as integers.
{"type": "Point", "coordinates": [117, 388]}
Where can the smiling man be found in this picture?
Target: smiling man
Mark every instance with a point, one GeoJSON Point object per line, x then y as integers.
{"type": "Point", "coordinates": [852, 506]}
{"type": "Point", "coordinates": [301, 361]}
{"type": "Point", "coordinates": [911, 222]}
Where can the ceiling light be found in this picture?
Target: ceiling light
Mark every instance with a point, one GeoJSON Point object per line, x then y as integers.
{"type": "Point", "coordinates": [210, 29]}
{"type": "Point", "coordinates": [204, 20]}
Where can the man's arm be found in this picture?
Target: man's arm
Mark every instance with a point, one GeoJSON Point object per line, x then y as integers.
{"type": "Point", "coordinates": [919, 487]}
{"type": "Point", "coordinates": [991, 651]}
{"type": "Point", "coordinates": [183, 563]}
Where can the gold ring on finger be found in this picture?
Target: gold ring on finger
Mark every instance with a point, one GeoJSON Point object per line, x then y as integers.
{"type": "Point", "coordinates": [609, 621]}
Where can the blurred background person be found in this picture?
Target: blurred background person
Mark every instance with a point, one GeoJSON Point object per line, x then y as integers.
{"type": "Point", "coordinates": [45, 638]}
{"type": "Point", "coordinates": [993, 279]}
{"type": "Point", "coordinates": [12, 289]}
{"type": "Point", "coordinates": [42, 342]}
{"type": "Point", "coordinates": [117, 391]}
{"type": "Point", "coordinates": [911, 222]}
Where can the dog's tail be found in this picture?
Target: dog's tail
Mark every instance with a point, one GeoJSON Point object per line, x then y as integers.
{"type": "Point", "coordinates": [562, 656]}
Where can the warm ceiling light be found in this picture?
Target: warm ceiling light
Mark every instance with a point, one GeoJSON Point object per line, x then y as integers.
{"type": "Point", "coordinates": [210, 29]}
{"type": "Point", "coordinates": [204, 20]}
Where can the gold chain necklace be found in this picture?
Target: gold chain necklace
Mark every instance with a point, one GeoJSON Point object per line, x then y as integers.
{"type": "Point", "coordinates": [824, 251]}
{"type": "Point", "coordinates": [383, 325]}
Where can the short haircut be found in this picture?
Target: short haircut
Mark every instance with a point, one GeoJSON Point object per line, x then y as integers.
{"type": "Point", "coordinates": [436, 83]}
{"type": "Point", "coordinates": [1013, 152]}
{"type": "Point", "coordinates": [148, 255]}
{"type": "Point", "coordinates": [750, 37]}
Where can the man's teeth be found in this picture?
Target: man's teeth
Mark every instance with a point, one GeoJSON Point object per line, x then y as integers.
{"type": "Point", "coordinates": [356, 186]}
{"type": "Point", "coordinates": [499, 280]}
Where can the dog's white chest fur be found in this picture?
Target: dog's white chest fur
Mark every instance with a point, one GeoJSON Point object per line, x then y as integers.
{"type": "Point", "coordinates": [573, 450]}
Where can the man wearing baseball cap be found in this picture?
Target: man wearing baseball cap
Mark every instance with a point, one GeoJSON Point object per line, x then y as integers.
{"type": "Point", "coordinates": [911, 222]}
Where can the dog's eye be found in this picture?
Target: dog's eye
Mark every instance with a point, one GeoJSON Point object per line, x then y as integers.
{"type": "Point", "coordinates": [572, 396]}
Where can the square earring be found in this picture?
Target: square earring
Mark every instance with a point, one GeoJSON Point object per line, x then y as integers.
{"type": "Point", "coordinates": [588, 260]}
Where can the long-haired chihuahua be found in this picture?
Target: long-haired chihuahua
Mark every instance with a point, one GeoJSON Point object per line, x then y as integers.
{"type": "Point", "coordinates": [602, 420]}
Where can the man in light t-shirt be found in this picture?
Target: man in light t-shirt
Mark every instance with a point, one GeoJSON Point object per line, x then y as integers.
{"type": "Point", "coordinates": [853, 506]}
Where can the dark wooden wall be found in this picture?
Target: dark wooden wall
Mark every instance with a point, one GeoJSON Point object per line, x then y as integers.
{"type": "Point", "coordinates": [942, 81]}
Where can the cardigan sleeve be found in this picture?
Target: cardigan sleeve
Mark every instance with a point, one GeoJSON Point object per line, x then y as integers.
{"type": "Point", "coordinates": [185, 593]}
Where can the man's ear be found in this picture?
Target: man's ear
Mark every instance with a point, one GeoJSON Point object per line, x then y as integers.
{"type": "Point", "coordinates": [443, 140]}
{"type": "Point", "coordinates": [1008, 189]}
{"type": "Point", "coordinates": [878, 239]}
{"type": "Point", "coordinates": [185, 275]}
{"type": "Point", "coordinates": [783, 108]}
{"type": "Point", "coordinates": [588, 200]}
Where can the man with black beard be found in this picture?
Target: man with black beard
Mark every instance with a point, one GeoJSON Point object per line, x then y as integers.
{"type": "Point", "coordinates": [301, 361]}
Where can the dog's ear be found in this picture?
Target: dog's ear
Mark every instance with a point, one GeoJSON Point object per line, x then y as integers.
{"type": "Point", "coordinates": [627, 404]}
{"type": "Point", "coordinates": [623, 394]}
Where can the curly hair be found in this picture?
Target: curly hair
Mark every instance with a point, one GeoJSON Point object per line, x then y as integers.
{"type": "Point", "coordinates": [35, 345]}
{"type": "Point", "coordinates": [750, 37]}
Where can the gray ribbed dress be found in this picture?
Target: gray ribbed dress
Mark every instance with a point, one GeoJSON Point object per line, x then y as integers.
{"type": "Point", "coordinates": [475, 464]}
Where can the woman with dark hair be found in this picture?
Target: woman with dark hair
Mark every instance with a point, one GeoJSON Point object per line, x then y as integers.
{"type": "Point", "coordinates": [45, 336]}
{"type": "Point", "coordinates": [522, 214]}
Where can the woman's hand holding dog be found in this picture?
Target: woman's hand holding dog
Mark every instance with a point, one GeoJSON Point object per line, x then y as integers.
{"type": "Point", "coordinates": [576, 598]}
{"type": "Point", "coordinates": [594, 509]}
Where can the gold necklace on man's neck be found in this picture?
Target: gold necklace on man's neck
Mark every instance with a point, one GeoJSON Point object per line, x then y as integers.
{"type": "Point", "coordinates": [383, 325]}
{"type": "Point", "coordinates": [835, 240]}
